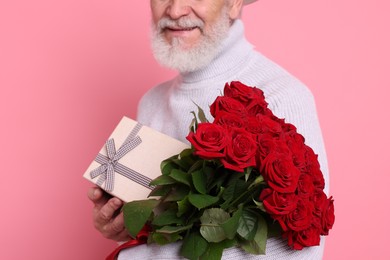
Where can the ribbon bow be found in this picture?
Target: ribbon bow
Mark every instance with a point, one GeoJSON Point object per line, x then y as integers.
{"type": "Point", "coordinates": [110, 163]}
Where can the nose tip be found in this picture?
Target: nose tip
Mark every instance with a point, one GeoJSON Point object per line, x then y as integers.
{"type": "Point", "coordinates": [177, 9]}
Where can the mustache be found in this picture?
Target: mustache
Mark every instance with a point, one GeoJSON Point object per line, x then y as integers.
{"type": "Point", "coordinates": [182, 22]}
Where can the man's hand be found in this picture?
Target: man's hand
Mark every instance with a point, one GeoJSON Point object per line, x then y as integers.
{"type": "Point", "coordinates": [107, 217]}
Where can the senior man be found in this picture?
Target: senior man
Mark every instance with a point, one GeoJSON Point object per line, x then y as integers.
{"type": "Point", "coordinates": [204, 40]}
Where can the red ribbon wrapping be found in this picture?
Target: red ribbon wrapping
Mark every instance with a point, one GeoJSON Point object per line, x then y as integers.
{"type": "Point", "coordinates": [140, 239]}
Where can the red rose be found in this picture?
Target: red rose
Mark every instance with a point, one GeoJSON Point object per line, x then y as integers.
{"type": "Point", "coordinates": [287, 127]}
{"type": "Point", "coordinates": [294, 135]}
{"type": "Point", "coordinates": [229, 120]}
{"type": "Point", "coordinates": [269, 126]}
{"type": "Point", "coordinates": [242, 93]}
{"type": "Point", "coordinates": [295, 143]}
{"type": "Point", "coordinates": [254, 126]}
{"type": "Point", "coordinates": [241, 150]}
{"type": "Point", "coordinates": [299, 240]}
{"type": "Point", "coordinates": [278, 203]}
{"type": "Point", "coordinates": [319, 198]}
{"type": "Point", "coordinates": [327, 216]}
{"type": "Point", "coordinates": [305, 186]}
{"type": "Point", "coordinates": [300, 218]}
{"type": "Point", "coordinates": [280, 173]}
{"type": "Point", "coordinates": [267, 144]}
{"type": "Point", "coordinates": [209, 140]}
{"type": "Point", "coordinates": [227, 104]}
{"type": "Point", "coordinates": [313, 168]}
{"type": "Point", "coordinates": [316, 222]}
{"type": "Point", "coordinates": [258, 106]}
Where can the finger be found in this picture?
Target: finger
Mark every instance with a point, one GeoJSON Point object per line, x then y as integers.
{"type": "Point", "coordinates": [118, 224]}
{"type": "Point", "coordinates": [97, 196]}
{"type": "Point", "coordinates": [105, 214]}
{"type": "Point", "coordinates": [116, 229]}
{"type": "Point", "coordinates": [94, 194]}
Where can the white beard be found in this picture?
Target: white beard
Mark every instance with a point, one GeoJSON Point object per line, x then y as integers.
{"type": "Point", "coordinates": [174, 56]}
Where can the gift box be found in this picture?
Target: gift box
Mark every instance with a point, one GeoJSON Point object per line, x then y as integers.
{"type": "Point", "coordinates": [130, 159]}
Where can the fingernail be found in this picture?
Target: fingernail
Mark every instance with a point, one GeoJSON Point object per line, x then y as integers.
{"type": "Point", "coordinates": [117, 202]}
{"type": "Point", "coordinates": [95, 193]}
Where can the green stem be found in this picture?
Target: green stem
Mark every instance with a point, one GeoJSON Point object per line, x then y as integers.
{"type": "Point", "coordinates": [241, 196]}
{"type": "Point", "coordinates": [251, 189]}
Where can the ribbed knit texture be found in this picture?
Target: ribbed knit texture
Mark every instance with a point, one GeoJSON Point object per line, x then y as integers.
{"type": "Point", "coordinates": [167, 108]}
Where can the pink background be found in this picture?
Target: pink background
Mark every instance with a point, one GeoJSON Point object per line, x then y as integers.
{"type": "Point", "coordinates": [69, 70]}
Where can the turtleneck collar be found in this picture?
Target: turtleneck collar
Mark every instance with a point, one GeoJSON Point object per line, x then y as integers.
{"type": "Point", "coordinates": [234, 51]}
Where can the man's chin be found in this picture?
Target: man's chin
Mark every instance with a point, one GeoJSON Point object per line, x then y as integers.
{"type": "Point", "coordinates": [182, 56]}
{"type": "Point", "coordinates": [183, 63]}
{"type": "Point", "coordinates": [182, 44]}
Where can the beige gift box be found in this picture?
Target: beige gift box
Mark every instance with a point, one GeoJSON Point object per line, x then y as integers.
{"type": "Point", "coordinates": [130, 159]}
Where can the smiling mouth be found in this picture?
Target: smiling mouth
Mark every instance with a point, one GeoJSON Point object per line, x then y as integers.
{"type": "Point", "coordinates": [180, 29]}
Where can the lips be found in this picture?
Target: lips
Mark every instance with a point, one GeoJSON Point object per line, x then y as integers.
{"type": "Point", "coordinates": [180, 29]}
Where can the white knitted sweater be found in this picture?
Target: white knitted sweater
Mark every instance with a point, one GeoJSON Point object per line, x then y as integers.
{"type": "Point", "coordinates": [167, 108]}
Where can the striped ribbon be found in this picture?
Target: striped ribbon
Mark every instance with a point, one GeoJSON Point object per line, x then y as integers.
{"type": "Point", "coordinates": [110, 163]}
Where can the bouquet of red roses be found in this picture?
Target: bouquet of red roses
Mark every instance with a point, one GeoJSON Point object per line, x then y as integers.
{"type": "Point", "coordinates": [248, 176]}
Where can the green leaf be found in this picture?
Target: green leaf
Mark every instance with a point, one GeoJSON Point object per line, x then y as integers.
{"type": "Point", "coordinates": [136, 213]}
{"type": "Point", "coordinates": [216, 180]}
{"type": "Point", "coordinates": [181, 177]}
{"type": "Point", "coordinates": [178, 192]}
{"type": "Point", "coordinates": [168, 217]}
{"type": "Point", "coordinates": [274, 229]}
{"type": "Point", "coordinates": [162, 180]}
{"type": "Point", "coordinates": [201, 114]}
{"type": "Point", "coordinates": [257, 181]}
{"type": "Point", "coordinates": [163, 239]}
{"type": "Point", "coordinates": [167, 165]}
{"type": "Point", "coordinates": [215, 250]}
{"type": "Point", "coordinates": [248, 171]}
{"type": "Point", "coordinates": [160, 191]}
{"type": "Point", "coordinates": [196, 166]}
{"type": "Point", "coordinates": [201, 201]}
{"type": "Point", "coordinates": [182, 163]}
{"type": "Point", "coordinates": [260, 205]}
{"type": "Point", "coordinates": [183, 206]}
{"type": "Point", "coordinates": [199, 179]}
{"type": "Point", "coordinates": [247, 225]}
{"type": "Point", "coordinates": [194, 245]}
{"type": "Point", "coordinates": [210, 167]}
{"type": "Point", "coordinates": [235, 188]}
{"type": "Point", "coordinates": [194, 123]}
{"type": "Point", "coordinates": [186, 153]}
{"type": "Point", "coordinates": [258, 244]}
{"type": "Point", "coordinates": [211, 221]}
{"type": "Point", "coordinates": [231, 225]}
{"type": "Point", "coordinates": [173, 229]}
